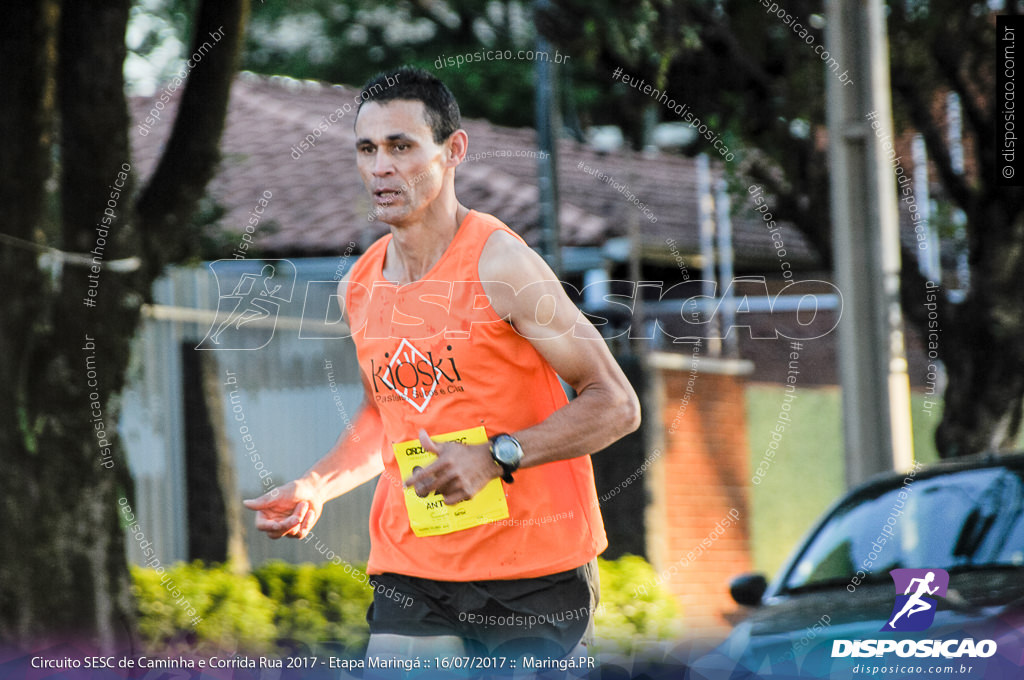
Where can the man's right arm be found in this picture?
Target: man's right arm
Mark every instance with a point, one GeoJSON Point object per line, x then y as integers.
{"type": "Point", "coordinates": [294, 508]}
{"type": "Point", "coordinates": [354, 459]}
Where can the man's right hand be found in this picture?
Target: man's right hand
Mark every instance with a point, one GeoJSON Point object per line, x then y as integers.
{"type": "Point", "coordinates": [290, 510]}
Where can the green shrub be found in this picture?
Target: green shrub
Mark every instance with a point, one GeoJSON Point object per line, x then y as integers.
{"type": "Point", "coordinates": [627, 615]}
{"type": "Point", "coordinates": [284, 608]}
{"type": "Point", "coordinates": [207, 608]}
{"type": "Point", "coordinates": [318, 606]}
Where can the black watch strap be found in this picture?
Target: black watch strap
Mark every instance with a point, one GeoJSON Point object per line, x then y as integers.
{"type": "Point", "coordinates": [506, 472]}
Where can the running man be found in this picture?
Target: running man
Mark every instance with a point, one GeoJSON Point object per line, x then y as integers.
{"type": "Point", "coordinates": [914, 603]}
{"type": "Point", "coordinates": [461, 333]}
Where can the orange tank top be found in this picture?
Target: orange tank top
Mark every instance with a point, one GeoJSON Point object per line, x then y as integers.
{"type": "Point", "coordinates": [436, 356]}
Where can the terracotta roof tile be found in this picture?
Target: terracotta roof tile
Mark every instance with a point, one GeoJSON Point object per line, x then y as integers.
{"type": "Point", "coordinates": [319, 205]}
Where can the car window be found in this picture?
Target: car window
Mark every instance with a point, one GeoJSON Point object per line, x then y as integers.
{"type": "Point", "coordinates": [971, 517]}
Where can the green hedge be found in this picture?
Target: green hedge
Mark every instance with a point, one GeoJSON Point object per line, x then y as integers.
{"type": "Point", "coordinates": [317, 606]}
{"type": "Point", "coordinates": [231, 612]}
{"type": "Point", "coordinates": [623, 621]}
{"type": "Point", "coordinates": [286, 608]}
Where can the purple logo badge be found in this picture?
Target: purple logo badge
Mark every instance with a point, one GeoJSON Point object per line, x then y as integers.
{"type": "Point", "coordinates": [914, 610]}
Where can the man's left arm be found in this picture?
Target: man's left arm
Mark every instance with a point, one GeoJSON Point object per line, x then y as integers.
{"type": "Point", "coordinates": [524, 291]}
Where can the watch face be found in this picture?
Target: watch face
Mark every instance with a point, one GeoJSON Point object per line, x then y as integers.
{"type": "Point", "coordinates": [507, 450]}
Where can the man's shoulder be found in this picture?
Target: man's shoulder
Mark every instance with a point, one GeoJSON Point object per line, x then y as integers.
{"type": "Point", "coordinates": [505, 256]}
{"type": "Point", "coordinates": [375, 252]}
{"type": "Point", "coordinates": [491, 224]}
{"type": "Point", "coordinates": [485, 219]}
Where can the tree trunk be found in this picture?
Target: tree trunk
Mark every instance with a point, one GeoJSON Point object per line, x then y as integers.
{"type": "Point", "coordinates": [983, 345]}
{"type": "Point", "coordinates": [983, 400]}
{"type": "Point", "coordinates": [68, 320]}
{"type": "Point", "coordinates": [216, 530]}
{"type": "Point", "coordinates": [63, 569]}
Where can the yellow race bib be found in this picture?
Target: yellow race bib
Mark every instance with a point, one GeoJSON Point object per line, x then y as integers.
{"type": "Point", "coordinates": [430, 516]}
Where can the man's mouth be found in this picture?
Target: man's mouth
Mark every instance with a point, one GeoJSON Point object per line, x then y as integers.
{"type": "Point", "coordinates": [386, 196]}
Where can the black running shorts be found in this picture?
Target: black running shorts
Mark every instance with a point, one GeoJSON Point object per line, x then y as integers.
{"type": "Point", "coordinates": [546, 616]}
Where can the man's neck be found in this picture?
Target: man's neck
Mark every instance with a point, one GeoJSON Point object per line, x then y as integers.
{"type": "Point", "coordinates": [416, 247]}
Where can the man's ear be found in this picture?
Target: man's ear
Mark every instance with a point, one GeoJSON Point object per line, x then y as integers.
{"type": "Point", "coordinates": [456, 147]}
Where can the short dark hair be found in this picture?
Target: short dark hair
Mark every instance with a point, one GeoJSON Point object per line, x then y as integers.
{"type": "Point", "coordinates": [408, 82]}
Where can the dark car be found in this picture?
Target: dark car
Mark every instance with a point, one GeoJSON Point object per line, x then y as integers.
{"type": "Point", "coordinates": [823, 615]}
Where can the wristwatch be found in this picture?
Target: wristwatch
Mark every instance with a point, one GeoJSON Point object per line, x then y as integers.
{"type": "Point", "coordinates": [507, 453]}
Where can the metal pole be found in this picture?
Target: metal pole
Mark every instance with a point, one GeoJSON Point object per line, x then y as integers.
{"type": "Point", "coordinates": [725, 268]}
{"type": "Point", "coordinates": [547, 161]}
{"type": "Point", "coordinates": [706, 218]}
{"type": "Point", "coordinates": [872, 360]}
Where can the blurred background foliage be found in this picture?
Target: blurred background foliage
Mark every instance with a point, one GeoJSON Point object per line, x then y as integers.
{"type": "Point", "coordinates": [349, 41]}
{"type": "Point", "coordinates": [300, 609]}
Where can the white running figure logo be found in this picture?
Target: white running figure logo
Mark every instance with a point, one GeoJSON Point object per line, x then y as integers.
{"type": "Point", "coordinates": [256, 306]}
{"type": "Point", "coordinates": [915, 604]}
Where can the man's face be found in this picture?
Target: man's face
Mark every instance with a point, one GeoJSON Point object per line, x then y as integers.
{"type": "Point", "coordinates": [401, 165]}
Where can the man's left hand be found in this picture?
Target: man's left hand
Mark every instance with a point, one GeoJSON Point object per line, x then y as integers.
{"type": "Point", "coordinates": [459, 472]}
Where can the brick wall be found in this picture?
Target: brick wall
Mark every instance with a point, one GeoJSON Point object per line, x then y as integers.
{"type": "Point", "coordinates": [697, 520]}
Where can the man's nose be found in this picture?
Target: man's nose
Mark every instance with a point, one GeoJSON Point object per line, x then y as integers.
{"type": "Point", "coordinates": [382, 165]}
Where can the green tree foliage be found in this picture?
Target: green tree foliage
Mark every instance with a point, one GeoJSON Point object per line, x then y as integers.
{"type": "Point", "coordinates": [752, 78]}
{"type": "Point", "coordinates": [350, 41]}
